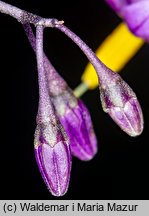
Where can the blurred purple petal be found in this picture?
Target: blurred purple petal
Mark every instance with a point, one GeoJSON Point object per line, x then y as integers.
{"type": "Point", "coordinates": [135, 13]}
{"type": "Point", "coordinates": [137, 17]}
{"type": "Point", "coordinates": [117, 4]}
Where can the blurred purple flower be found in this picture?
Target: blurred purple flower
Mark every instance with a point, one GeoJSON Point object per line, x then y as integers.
{"type": "Point", "coordinates": [135, 13]}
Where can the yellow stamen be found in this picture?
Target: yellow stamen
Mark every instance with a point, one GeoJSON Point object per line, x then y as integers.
{"type": "Point", "coordinates": [115, 51]}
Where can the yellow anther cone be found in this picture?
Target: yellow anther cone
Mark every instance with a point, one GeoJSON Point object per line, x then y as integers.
{"type": "Point", "coordinates": [115, 51]}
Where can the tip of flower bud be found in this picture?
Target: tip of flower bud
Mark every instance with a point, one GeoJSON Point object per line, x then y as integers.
{"type": "Point", "coordinates": [54, 163]}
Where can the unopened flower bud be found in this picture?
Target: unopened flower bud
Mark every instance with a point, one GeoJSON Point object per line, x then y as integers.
{"type": "Point", "coordinates": [75, 118]}
{"type": "Point", "coordinates": [120, 102]}
{"type": "Point", "coordinates": [117, 97]}
{"type": "Point", "coordinates": [53, 157]}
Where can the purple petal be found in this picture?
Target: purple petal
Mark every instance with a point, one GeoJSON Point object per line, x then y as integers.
{"type": "Point", "coordinates": [117, 4]}
{"type": "Point", "coordinates": [137, 17]}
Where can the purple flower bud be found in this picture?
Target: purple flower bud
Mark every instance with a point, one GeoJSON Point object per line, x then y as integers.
{"type": "Point", "coordinates": [53, 157]}
{"type": "Point", "coordinates": [120, 102]}
{"type": "Point", "coordinates": [76, 120]}
{"type": "Point", "coordinates": [117, 97]}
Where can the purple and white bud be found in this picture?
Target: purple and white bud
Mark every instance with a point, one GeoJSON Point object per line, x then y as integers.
{"type": "Point", "coordinates": [53, 156]}
{"type": "Point", "coordinates": [75, 118]}
{"type": "Point", "coordinates": [120, 102]}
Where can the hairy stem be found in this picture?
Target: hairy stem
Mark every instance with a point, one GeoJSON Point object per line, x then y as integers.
{"type": "Point", "coordinates": [26, 17]}
{"type": "Point", "coordinates": [46, 111]}
{"type": "Point", "coordinates": [102, 70]}
{"type": "Point", "coordinates": [51, 73]}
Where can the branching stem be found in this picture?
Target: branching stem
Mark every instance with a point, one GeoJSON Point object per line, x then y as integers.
{"type": "Point", "coordinates": [26, 17]}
